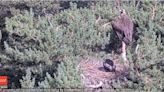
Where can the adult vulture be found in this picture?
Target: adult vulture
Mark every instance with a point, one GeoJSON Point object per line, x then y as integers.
{"type": "Point", "coordinates": [123, 27]}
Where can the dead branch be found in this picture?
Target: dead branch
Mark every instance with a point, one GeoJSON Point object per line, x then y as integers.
{"type": "Point", "coordinates": [91, 86]}
{"type": "Point", "coordinates": [96, 86]}
{"type": "Point", "coordinates": [154, 10]}
{"type": "Point", "coordinates": [136, 49]}
{"type": "Point", "coordinates": [98, 19]}
{"type": "Point", "coordinates": [118, 4]}
{"type": "Point", "coordinates": [138, 3]}
{"type": "Point", "coordinates": [104, 26]}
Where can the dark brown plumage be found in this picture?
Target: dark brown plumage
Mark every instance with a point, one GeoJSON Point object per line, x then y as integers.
{"type": "Point", "coordinates": [123, 26]}
{"type": "Point", "coordinates": [109, 65]}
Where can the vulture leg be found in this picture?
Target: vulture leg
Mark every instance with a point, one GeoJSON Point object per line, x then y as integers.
{"type": "Point", "coordinates": [124, 51]}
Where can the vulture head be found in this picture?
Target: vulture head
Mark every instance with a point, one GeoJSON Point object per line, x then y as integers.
{"type": "Point", "coordinates": [122, 11]}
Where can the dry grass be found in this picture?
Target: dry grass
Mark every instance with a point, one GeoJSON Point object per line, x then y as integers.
{"type": "Point", "coordinates": [94, 72]}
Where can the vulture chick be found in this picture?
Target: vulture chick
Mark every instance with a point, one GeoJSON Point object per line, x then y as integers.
{"type": "Point", "coordinates": [109, 65]}
{"type": "Point", "coordinates": [123, 27]}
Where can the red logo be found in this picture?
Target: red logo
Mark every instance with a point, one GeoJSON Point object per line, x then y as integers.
{"type": "Point", "coordinates": [3, 80]}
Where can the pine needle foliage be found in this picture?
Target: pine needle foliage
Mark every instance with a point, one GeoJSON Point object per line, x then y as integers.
{"type": "Point", "coordinates": [50, 46]}
{"type": "Point", "coordinates": [67, 76]}
{"type": "Point", "coordinates": [28, 81]}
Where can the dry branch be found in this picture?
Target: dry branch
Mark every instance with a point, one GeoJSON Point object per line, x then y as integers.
{"type": "Point", "coordinates": [154, 10]}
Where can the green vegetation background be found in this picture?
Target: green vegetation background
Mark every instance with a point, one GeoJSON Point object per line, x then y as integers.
{"type": "Point", "coordinates": [42, 43]}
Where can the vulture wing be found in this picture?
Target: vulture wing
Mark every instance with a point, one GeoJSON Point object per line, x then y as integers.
{"type": "Point", "coordinates": [123, 26]}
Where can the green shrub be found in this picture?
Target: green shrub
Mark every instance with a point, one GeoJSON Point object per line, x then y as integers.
{"type": "Point", "coordinates": [34, 41]}
{"type": "Point", "coordinates": [67, 76]}
{"type": "Point", "coordinates": [27, 81]}
{"type": "Point", "coordinates": [51, 45]}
